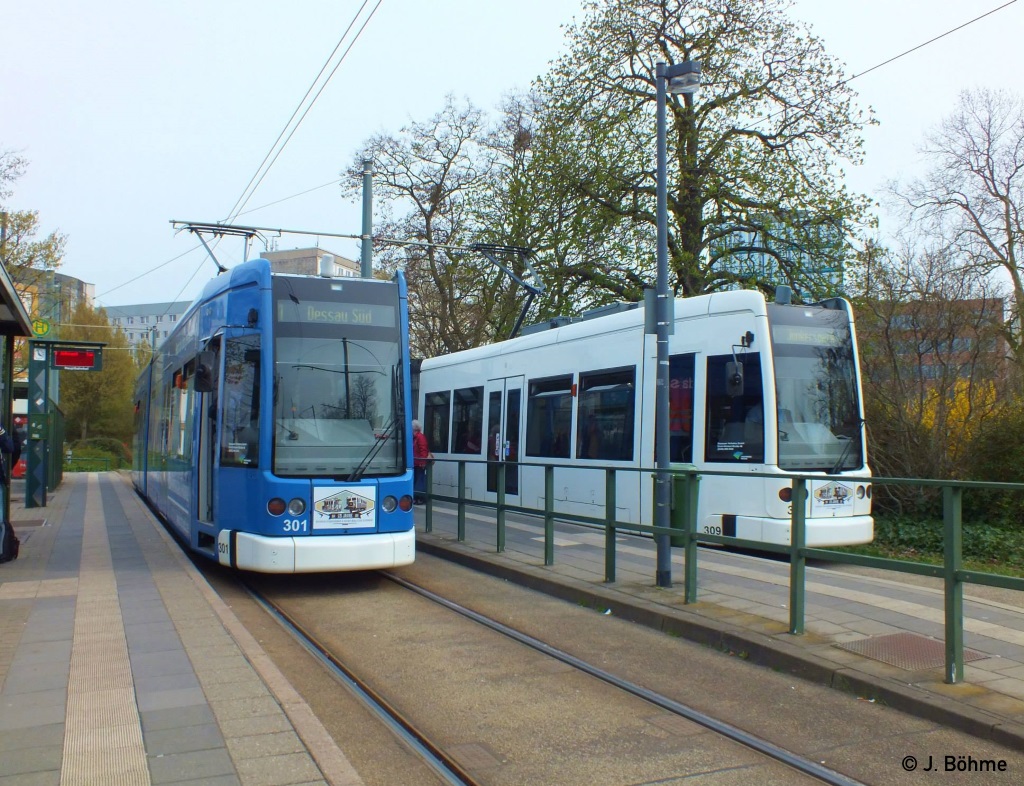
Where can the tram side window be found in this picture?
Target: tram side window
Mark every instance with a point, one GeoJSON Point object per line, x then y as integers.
{"type": "Point", "coordinates": [177, 438]}
{"type": "Point", "coordinates": [467, 420]}
{"type": "Point", "coordinates": [240, 435]}
{"type": "Point", "coordinates": [158, 420]}
{"type": "Point", "coordinates": [735, 410]}
{"type": "Point", "coordinates": [181, 438]}
{"type": "Point", "coordinates": [436, 412]}
{"type": "Point", "coordinates": [606, 414]}
{"type": "Point", "coordinates": [680, 407]}
{"type": "Point", "coordinates": [549, 417]}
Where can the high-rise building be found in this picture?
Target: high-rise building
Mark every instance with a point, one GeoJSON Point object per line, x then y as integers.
{"type": "Point", "coordinates": [150, 322]}
{"type": "Point", "coordinates": [809, 257]}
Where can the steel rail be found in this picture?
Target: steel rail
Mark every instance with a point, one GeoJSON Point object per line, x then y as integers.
{"type": "Point", "coordinates": [762, 746]}
{"type": "Point", "coordinates": [446, 768]}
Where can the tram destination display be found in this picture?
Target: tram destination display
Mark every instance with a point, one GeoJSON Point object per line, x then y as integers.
{"type": "Point", "coordinates": [332, 313]}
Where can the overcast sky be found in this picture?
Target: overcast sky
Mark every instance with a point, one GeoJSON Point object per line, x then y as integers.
{"type": "Point", "coordinates": [132, 113]}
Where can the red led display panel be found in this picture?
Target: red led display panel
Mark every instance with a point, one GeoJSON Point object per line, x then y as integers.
{"type": "Point", "coordinates": [74, 358]}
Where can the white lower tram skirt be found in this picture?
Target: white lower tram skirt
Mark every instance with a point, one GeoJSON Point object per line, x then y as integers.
{"type": "Point", "coordinates": [314, 554]}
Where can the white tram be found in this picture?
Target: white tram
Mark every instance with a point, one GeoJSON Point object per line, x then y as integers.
{"type": "Point", "coordinates": [759, 387]}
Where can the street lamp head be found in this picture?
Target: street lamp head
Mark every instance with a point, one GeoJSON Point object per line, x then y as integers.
{"type": "Point", "coordinates": [683, 77]}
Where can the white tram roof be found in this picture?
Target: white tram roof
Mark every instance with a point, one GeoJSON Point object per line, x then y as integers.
{"type": "Point", "coordinates": [732, 302]}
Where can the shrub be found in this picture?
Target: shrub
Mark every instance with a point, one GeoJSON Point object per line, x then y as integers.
{"type": "Point", "coordinates": [102, 451]}
{"type": "Point", "coordinates": [106, 445]}
{"type": "Point", "coordinates": [996, 455]}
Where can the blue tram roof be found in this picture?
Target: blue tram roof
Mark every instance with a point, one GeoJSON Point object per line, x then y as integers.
{"type": "Point", "coordinates": [255, 271]}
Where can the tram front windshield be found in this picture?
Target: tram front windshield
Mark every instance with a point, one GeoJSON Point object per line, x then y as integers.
{"type": "Point", "coordinates": [816, 389]}
{"type": "Point", "coordinates": [338, 408]}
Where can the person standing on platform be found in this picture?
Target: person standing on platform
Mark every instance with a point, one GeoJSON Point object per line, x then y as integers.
{"type": "Point", "coordinates": [421, 456]}
{"type": "Point", "coordinates": [10, 452]}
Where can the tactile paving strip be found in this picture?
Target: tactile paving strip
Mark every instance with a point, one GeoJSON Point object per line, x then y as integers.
{"type": "Point", "coordinates": [102, 731]}
{"type": "Point", "coordinates": [906, 651]}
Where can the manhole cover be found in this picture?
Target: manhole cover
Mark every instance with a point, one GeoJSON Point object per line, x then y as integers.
{"type": "Point", "coordinates": [907, 651]}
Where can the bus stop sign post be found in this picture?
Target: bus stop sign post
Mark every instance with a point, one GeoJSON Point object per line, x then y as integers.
{"type": "Point", "coordinates": [60, 356]}
{"type": "Point", "coordinates": [38, 410]}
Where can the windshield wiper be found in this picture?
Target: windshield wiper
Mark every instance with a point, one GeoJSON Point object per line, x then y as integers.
{"type": "Point", "coordinates": [371, 454]}
{"type": "Point", "coordinates": [398, 406]}
{"type": "Point", "coordinates": [846, 448]}
{"type": "Point", "coordinates": [292, 434]}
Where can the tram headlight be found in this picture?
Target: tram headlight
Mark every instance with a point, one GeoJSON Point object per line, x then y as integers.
{"type": "Point", "coordinates": [861, 492]}
{"type": "Point", "coordinates": [296, 507]}
{"type": "Point", "coordinates": [276, 506]}
{"type": "Point", "coordinates": [405, 503]}
{"type": "Point", "coordinates": [389, 503]}
{"type": "Point", "coordinates": [786, 493]}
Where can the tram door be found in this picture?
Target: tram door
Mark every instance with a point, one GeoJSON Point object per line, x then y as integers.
{"type": "Point", "coordinates": [504, 407]}
{"type": "Point", "coordinates": [208, 434]}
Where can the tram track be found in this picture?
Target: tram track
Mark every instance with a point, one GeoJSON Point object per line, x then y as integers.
{"type": "Point", "coordinates": [444, 766]}
{"type": "Point", "coordinates": [755, 743]}
{"type": "Point", "coordinates": [447, 766]}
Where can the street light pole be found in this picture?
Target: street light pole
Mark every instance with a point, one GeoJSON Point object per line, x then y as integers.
{"type": "Point", "coordinates": [366, 256]}
{"type": "Point", "coordinates": [677, 78]}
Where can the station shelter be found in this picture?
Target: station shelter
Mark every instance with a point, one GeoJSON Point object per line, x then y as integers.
{"type": "Point", "coordinates": [14, 322]}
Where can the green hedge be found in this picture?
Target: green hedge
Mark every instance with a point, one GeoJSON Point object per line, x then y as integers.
{"type": "Point", "coordinates": [90, 455]}
{"type": "Point", "coordinates": [986, 545]}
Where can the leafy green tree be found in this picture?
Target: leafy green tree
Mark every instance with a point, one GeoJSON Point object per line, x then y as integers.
{"type": "Point", "coordinates": [98, 403]}
{"type": "Point", "coordinates": [756, 153]}
{"type": "Point", "coordinates": [26, 258]}
{"type": "Point", "coordinates": [28, 261]}
{"type": "Point", "coordinates": [567, 170]}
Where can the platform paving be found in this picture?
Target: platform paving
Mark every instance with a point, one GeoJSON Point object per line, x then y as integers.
{"type": "Point", "coordinates": [873, 633]}
{"type": "Point", "coordinates": [119, 664]}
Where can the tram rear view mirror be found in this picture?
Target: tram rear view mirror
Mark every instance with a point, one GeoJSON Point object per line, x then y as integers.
{"type": "Point", "coordinates": [734, 379]}
{"type": "Point", "coordinates": [205, 372]}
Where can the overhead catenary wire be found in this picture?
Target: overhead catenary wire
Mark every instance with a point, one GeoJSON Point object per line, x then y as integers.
{"type": "Point", "coordinates": [148, 272]}
{"type": "Point", "coordinates": [241, 204]}
{"type": "Point", "coordinates": [334, 182]}
{"type": "Point", "coordinates": [279, 145]}
{"type": "Point", "coordinates": [257, 178]}
{"type": "Point", "coordinates": [839, 84]}
{"type": "Point", "coordinates": [894, 58]}
{"type": "Point", "coordinates": [926, 43]}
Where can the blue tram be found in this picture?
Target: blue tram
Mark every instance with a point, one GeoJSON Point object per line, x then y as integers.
{"type": "Point", "coordinates": [272, 426]}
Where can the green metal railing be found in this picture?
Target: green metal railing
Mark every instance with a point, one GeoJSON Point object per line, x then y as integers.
{"type": "Point", "coordinates": [684, 534]}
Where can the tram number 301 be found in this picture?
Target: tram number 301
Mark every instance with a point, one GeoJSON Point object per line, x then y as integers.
{"type": "Point", "coordinates": [295, 525]}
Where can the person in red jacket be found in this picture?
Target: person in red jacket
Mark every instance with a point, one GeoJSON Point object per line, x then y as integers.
{"type": "Point", "coordinates": [421, 456]}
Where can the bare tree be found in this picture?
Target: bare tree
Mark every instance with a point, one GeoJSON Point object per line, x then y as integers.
{"type": "Point", "coordinates": [430, 177]}
{"type": "Point", "coordinates": [933, 360]}
{"type": "Point", "coordinates": [973, 195]}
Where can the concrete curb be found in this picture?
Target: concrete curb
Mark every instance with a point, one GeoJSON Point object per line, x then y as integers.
{"type": "Point", "coordinates": [758, 648]}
